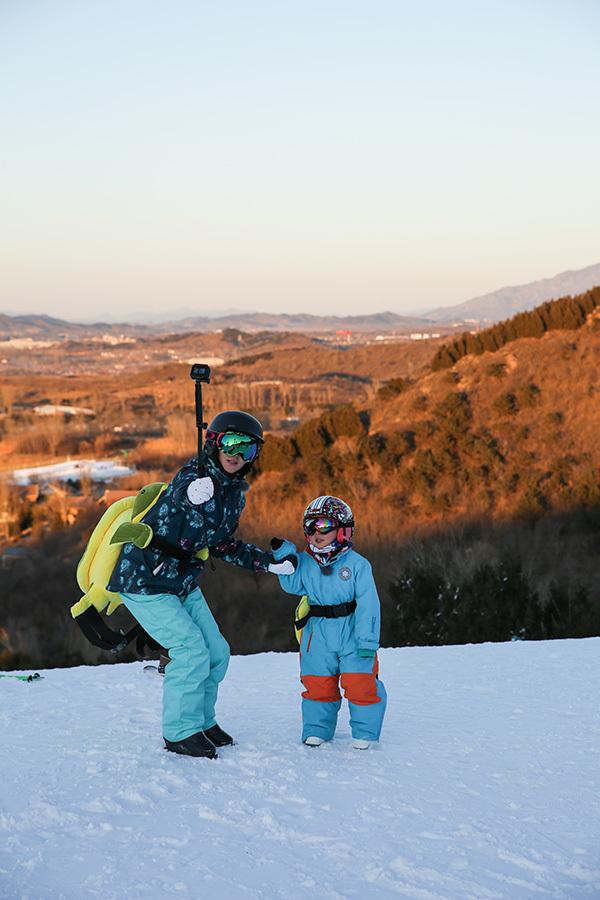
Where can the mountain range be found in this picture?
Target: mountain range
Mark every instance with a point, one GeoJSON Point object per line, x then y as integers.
{"type": "Point", "coordinates": [486, 309]}
{"type": "Point", "coordinates": [507, 301]}
{"type": "Point", "coordinates": [42, 327]}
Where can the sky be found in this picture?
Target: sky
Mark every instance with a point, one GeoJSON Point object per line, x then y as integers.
{"type": "Point", "coordinates": [340, 157]}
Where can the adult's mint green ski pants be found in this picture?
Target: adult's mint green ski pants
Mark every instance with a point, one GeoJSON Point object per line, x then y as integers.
{"type": "Point", "coordinates": [199, 657]}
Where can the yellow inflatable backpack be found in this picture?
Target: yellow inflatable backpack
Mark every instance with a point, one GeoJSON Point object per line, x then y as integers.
{"type": "Point", "coordinates": [104, 546]}
{"type": "Point", "coordinates": [301, 617]}
{"type": "Point", "coordinates": [99, 559]}
{"type": "Point", "coordinates": [120, 524]}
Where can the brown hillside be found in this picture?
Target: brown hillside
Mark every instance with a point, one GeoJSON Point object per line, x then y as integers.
{"type": "Point", "coordinates": [505, 434]}
{"type": "Point", "coordinates": [274, 375]}
{"type": "Point", "coordinates": [374, 362]}
{"type": "Point", "coordinates": [539, 396]}
{"type": "Point", "coordinates": [480, 483]}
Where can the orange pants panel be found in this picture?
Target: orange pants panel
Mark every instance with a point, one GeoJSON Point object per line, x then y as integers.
{"type": "Point", "coordinates": [321, 687]}
{"type": "Point", "coordinates": [360, 688]}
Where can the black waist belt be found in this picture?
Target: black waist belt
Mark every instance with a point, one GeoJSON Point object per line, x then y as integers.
{"type": "Point", "coordinates": [159, 543]}
{"type": "Point", "coordinates": [337, 611]}
{"type": "Point", "coordinates": [185, 557]}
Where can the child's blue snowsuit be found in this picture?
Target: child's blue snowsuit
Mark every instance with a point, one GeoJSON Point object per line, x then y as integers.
{"type": "Point", "coordinates": [329, 650]}
{"type": "Point", "coordinates": [162, 594]}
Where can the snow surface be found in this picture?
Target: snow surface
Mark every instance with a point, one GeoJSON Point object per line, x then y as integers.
{"type": "Point", "coordinates": [54, 409]}
{"type": "Point", "coordinates": [73, 470]}
{"type": "Point", "coordinates": [485, 784]}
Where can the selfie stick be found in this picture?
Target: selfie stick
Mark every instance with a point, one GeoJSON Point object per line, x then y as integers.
{"type": "Point", "coordinates": [200, 374]}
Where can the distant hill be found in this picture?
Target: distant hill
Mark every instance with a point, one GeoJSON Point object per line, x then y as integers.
{"type": "Point", "coordinates": [507, 301]}
{"type": "Point", "coordinates": [384, 321]}
{"type": "Point", "coordinates": [41, 327]}
{"type": "Point", "coordinates": [564, 313]}
{"type": "Point", "coordinates": [45, 327]}
{"type": "Point", "coordinates": [158, 317]}
{"type": "Point", "coordinates": [34, 326]}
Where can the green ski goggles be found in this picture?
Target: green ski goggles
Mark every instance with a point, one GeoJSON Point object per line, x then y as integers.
{"type": "Point", "coordinates": [235, 443]}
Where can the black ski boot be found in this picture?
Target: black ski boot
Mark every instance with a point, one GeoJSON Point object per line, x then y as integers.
{"type": "Point", "coordinates": [194, 745]}
{"type": "Point", "coordinates": [218, 737]}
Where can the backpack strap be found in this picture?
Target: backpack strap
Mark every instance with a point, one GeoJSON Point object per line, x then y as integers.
{"type": "Point", "coordinates": [100, 635]}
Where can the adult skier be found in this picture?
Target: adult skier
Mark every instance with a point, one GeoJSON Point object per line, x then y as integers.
{"type": "Point", "coordinates": [158, 583]}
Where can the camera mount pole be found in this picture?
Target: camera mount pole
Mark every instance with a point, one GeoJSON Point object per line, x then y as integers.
{"type": "Point", "coordinates": [200, 374]}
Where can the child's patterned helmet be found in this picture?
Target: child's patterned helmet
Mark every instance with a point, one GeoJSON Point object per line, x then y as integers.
{"type": "Point", "coordinates": [328, 507]}
{"type": "Point", "coordinates": [332, 508]}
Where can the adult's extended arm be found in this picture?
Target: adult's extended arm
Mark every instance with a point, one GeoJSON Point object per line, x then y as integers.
{"type": "Point", "coordinates": [246, 556]}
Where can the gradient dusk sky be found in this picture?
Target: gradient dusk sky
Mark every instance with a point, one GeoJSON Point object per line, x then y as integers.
{"type": "Point", "coordinates": [340, 157]}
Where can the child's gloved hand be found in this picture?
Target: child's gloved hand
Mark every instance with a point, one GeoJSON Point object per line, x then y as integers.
{"type": "Point", "coordinates": [276, 543]}
{"type": "Point", "coordinates": [367, 654]}
{"type": "Point", "coordinates": [286, 566]}
{"type": "Point", "coordinates": [200, 490]}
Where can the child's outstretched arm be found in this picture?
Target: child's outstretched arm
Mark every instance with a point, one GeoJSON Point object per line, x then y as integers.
{"type": "Point", "coordinates": [368, 612]}
{"type": "Point", "coordinates": [285, 550]}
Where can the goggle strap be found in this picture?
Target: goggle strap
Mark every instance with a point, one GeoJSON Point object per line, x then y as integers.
{"type": "Point", "coordinates": [243, 438]}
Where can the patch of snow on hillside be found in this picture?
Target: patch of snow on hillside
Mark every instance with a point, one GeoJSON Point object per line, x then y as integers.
{"type": "Point", "coordinates": [73, 470]}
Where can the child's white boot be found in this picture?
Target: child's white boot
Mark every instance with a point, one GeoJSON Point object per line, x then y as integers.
{"type": "Point", "coordinates": [313, 741]}
{"type": "Point", "coordinates": [359, 744]}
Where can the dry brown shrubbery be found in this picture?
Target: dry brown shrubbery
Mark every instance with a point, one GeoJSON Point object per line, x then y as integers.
{"type": "Point", "coordinates": [182, 434]}
{"type": "Point", "coordinates": [452, 477]}
{"type": "Point", "coordinates": [41, 436]}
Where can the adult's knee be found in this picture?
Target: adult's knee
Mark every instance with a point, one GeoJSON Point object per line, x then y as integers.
{"type": "Point", "coordinates": [219, 659]}
{"type": "Point", "coordinates": [193, 655]}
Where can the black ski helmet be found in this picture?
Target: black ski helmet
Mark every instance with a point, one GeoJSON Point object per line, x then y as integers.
{"type": "Point", "coordinates": [233, 420]}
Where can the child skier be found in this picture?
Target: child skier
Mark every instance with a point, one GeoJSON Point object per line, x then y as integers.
{"type": "Point", "coordinates": [340, 636]}
{"type": "Point", "coordinates": [158, 583]}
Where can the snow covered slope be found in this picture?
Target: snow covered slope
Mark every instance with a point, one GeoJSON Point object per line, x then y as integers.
{"type": "Point", "coordinates": [486, 784]}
